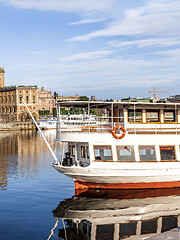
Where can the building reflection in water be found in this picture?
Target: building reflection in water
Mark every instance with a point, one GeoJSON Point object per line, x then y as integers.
{"type": "Point", "coordinates": [20, 154]}
{"type": "Point", "coordinates": [119, 214]}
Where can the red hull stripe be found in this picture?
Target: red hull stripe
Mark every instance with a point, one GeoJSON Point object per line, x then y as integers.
{"type": "Point", "coordinates": [85, 185]}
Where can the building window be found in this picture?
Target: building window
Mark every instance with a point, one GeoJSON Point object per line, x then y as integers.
{"type": "Point", "coordinates": [27, 99]}
{"type": "Point", "coordinates": [125, 153]}
{"type": "Point", "coordinates": [134, 116]}
{"type": "Point", "coordinates": [20, 99]}
{"type": "Point", "coordinates": [169, 116]}
{"type": "Point", "coordinates": [103, 153]}
{"type": "Point", "coordinates": [167, 153]}
{"type": "Point", "coordinates": [147, 153]}
{"type": "Point", "coordinates": [34, 99]}
{"type": "Point", "coordinates": [152, 116]}
{"type": "Point", "coordinates": [26, 91]}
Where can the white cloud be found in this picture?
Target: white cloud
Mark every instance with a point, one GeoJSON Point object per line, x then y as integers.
{"type": "Point", "coordinates": [143, 21]}
{"type": "Point", "coordinates": [63, 5]}
{"type": "Point", "coordinates": [150, 42]}
{"type": "Point", "coordinates": [89, 55]}
{"type": "Point", "coordinates": [87, 21]}
{"type": "Point", "coordinates": [36, 52]}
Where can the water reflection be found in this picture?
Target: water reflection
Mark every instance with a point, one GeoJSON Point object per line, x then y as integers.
{"type": "Point", "coordinates": [119, 214]}
{"type": "Point", "coordinates": [20, 153]}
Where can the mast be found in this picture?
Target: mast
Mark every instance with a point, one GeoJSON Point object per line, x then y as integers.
{"type": "Point", "coordinates": [50, 149]}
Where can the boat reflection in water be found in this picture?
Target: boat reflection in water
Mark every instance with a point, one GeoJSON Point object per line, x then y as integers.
{"type": "Point", "coordinates": [119, 214]}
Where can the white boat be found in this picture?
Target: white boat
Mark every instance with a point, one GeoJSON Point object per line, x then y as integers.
{"type": "Point", "coordinates": [73, 122]}
{"type": "Point", "coordinates": [138, 146]}
{"type": "Point", "coordinates": [122, 214]}
{"type": "Point", "coordinates": [47, 123]}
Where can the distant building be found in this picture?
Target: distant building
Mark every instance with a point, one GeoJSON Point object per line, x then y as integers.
{"type": "Point", "coordinates": [45, 100]}
{"type": "Point", "coordinates": [93, 98]}
{"type": "Point", "coordinates": [11, 105]}
{"type": "Point", "coordinates": [175, 98]}
{"type": "Point", "coordinates": [2, 72]}
{"type": "Point", "coordinates": [68, 98]}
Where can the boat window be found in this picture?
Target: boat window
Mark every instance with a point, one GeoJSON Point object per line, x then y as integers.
{"type": "Point", "coordinates": [87, 152]}
{"type": "Point", "coordinates": [168, 223]}
{"type": "Point", "coordinates": [149, 226]}
{"type": "Point", "coordinates": [105, 232]}
{"type": "Point", "coordinates": [152, 116]}
{"type": "Point", "coordinates": [72, 150]}
{"type": "Point", "coordinates": [169, 116]}
{"type": "Point", "coordinates": [125, 153]}
{"type": "Point", "coordinates": [121, 116]}
{"type": "Point", "coordinates": [103, 153]}
{"type": "Point", "coordinates": [134, 116]}
{"type": "Point", "coordinates": [167, 153]}
{"type": "Point", "coordinates": [127, 229]}
{"type": "Point", "coordinates": [147, 153]}
{"type": "Point", "coordinates": [84, 227]}
{"type": "Point", "coordinates": [83, 152]}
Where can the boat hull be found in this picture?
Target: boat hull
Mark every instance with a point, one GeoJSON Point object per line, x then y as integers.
{"type": "Point", "coordinates": [119, 178]}
{"type": "Point", "coordinates": [137, 185]}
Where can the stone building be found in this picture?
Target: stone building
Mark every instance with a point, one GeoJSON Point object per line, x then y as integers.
{"type": "Point", "coordinates": [46, 100]}
{"type": "Point", "coordinates": [11, 105]}
{"type": "Point", "coordinates": [68, 98]}
{"type": "Point", "coordinates": [2, 72]}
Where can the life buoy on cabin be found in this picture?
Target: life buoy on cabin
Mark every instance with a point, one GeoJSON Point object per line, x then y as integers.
{"type": "Point", "coordinates": [114, 134]}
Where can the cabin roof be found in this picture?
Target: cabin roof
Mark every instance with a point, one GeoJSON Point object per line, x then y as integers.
{"type": "Point", "coordinates": [130, 105]}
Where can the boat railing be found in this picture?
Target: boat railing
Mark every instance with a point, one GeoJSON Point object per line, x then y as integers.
{"type": "Point", "coordinates": [107, 124]}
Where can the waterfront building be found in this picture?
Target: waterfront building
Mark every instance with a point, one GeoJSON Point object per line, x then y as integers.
{"type": "Point", "coordinates": [11, 105]}
{"type": "Point", "coordinates": [46, 101]}
{"type": "Point", "coordinates": [68, 98]}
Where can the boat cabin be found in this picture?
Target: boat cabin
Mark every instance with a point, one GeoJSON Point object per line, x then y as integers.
{"type": "Point", "coordinates": [125, 132]}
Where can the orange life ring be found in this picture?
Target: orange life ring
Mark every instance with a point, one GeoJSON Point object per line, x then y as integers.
{"type": "Point", "coordinates": [114, 134]}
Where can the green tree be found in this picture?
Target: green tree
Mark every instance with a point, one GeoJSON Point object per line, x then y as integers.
{"type": "Point", "coordinates": [83, 98]}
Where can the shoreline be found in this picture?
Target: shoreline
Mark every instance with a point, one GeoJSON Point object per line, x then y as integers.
{"type": "Point", "coordinates": [16, 126]}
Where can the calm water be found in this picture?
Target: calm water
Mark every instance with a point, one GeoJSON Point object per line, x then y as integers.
{"type": "Point", "coordinates": [34, 197]}
{"type": "Point", "coordinates": [30, 187]}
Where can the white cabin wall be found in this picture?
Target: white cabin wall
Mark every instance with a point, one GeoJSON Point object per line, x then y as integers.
{"type": "Point", "coordinates": [116, 231]}
{"type": "Point", "coordinates": [125, 116]}
{"type": "Point", "coordinates": [157, 151]}
{"type": "Point", "coordinates": [114, 153]}
{"type": "Point", "coordinates": [136, 153]}
{"type": "Point", "coordinates": [178, 113]}
{"type": "Point", "coordinates": [143, 115]}
{"type": "Point", "coordinates": [161, 116]}
{"type": "Point", "coordinates": [91, 152]}
{"type": "Point", "coordinates": [177, 152]}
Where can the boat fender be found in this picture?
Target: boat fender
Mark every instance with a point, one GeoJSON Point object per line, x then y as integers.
{"type": "Point", "coordinates": [114, 134]}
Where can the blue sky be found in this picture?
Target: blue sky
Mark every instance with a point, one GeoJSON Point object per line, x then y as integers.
{"type": "Point", "coordinates": [109, 49]}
